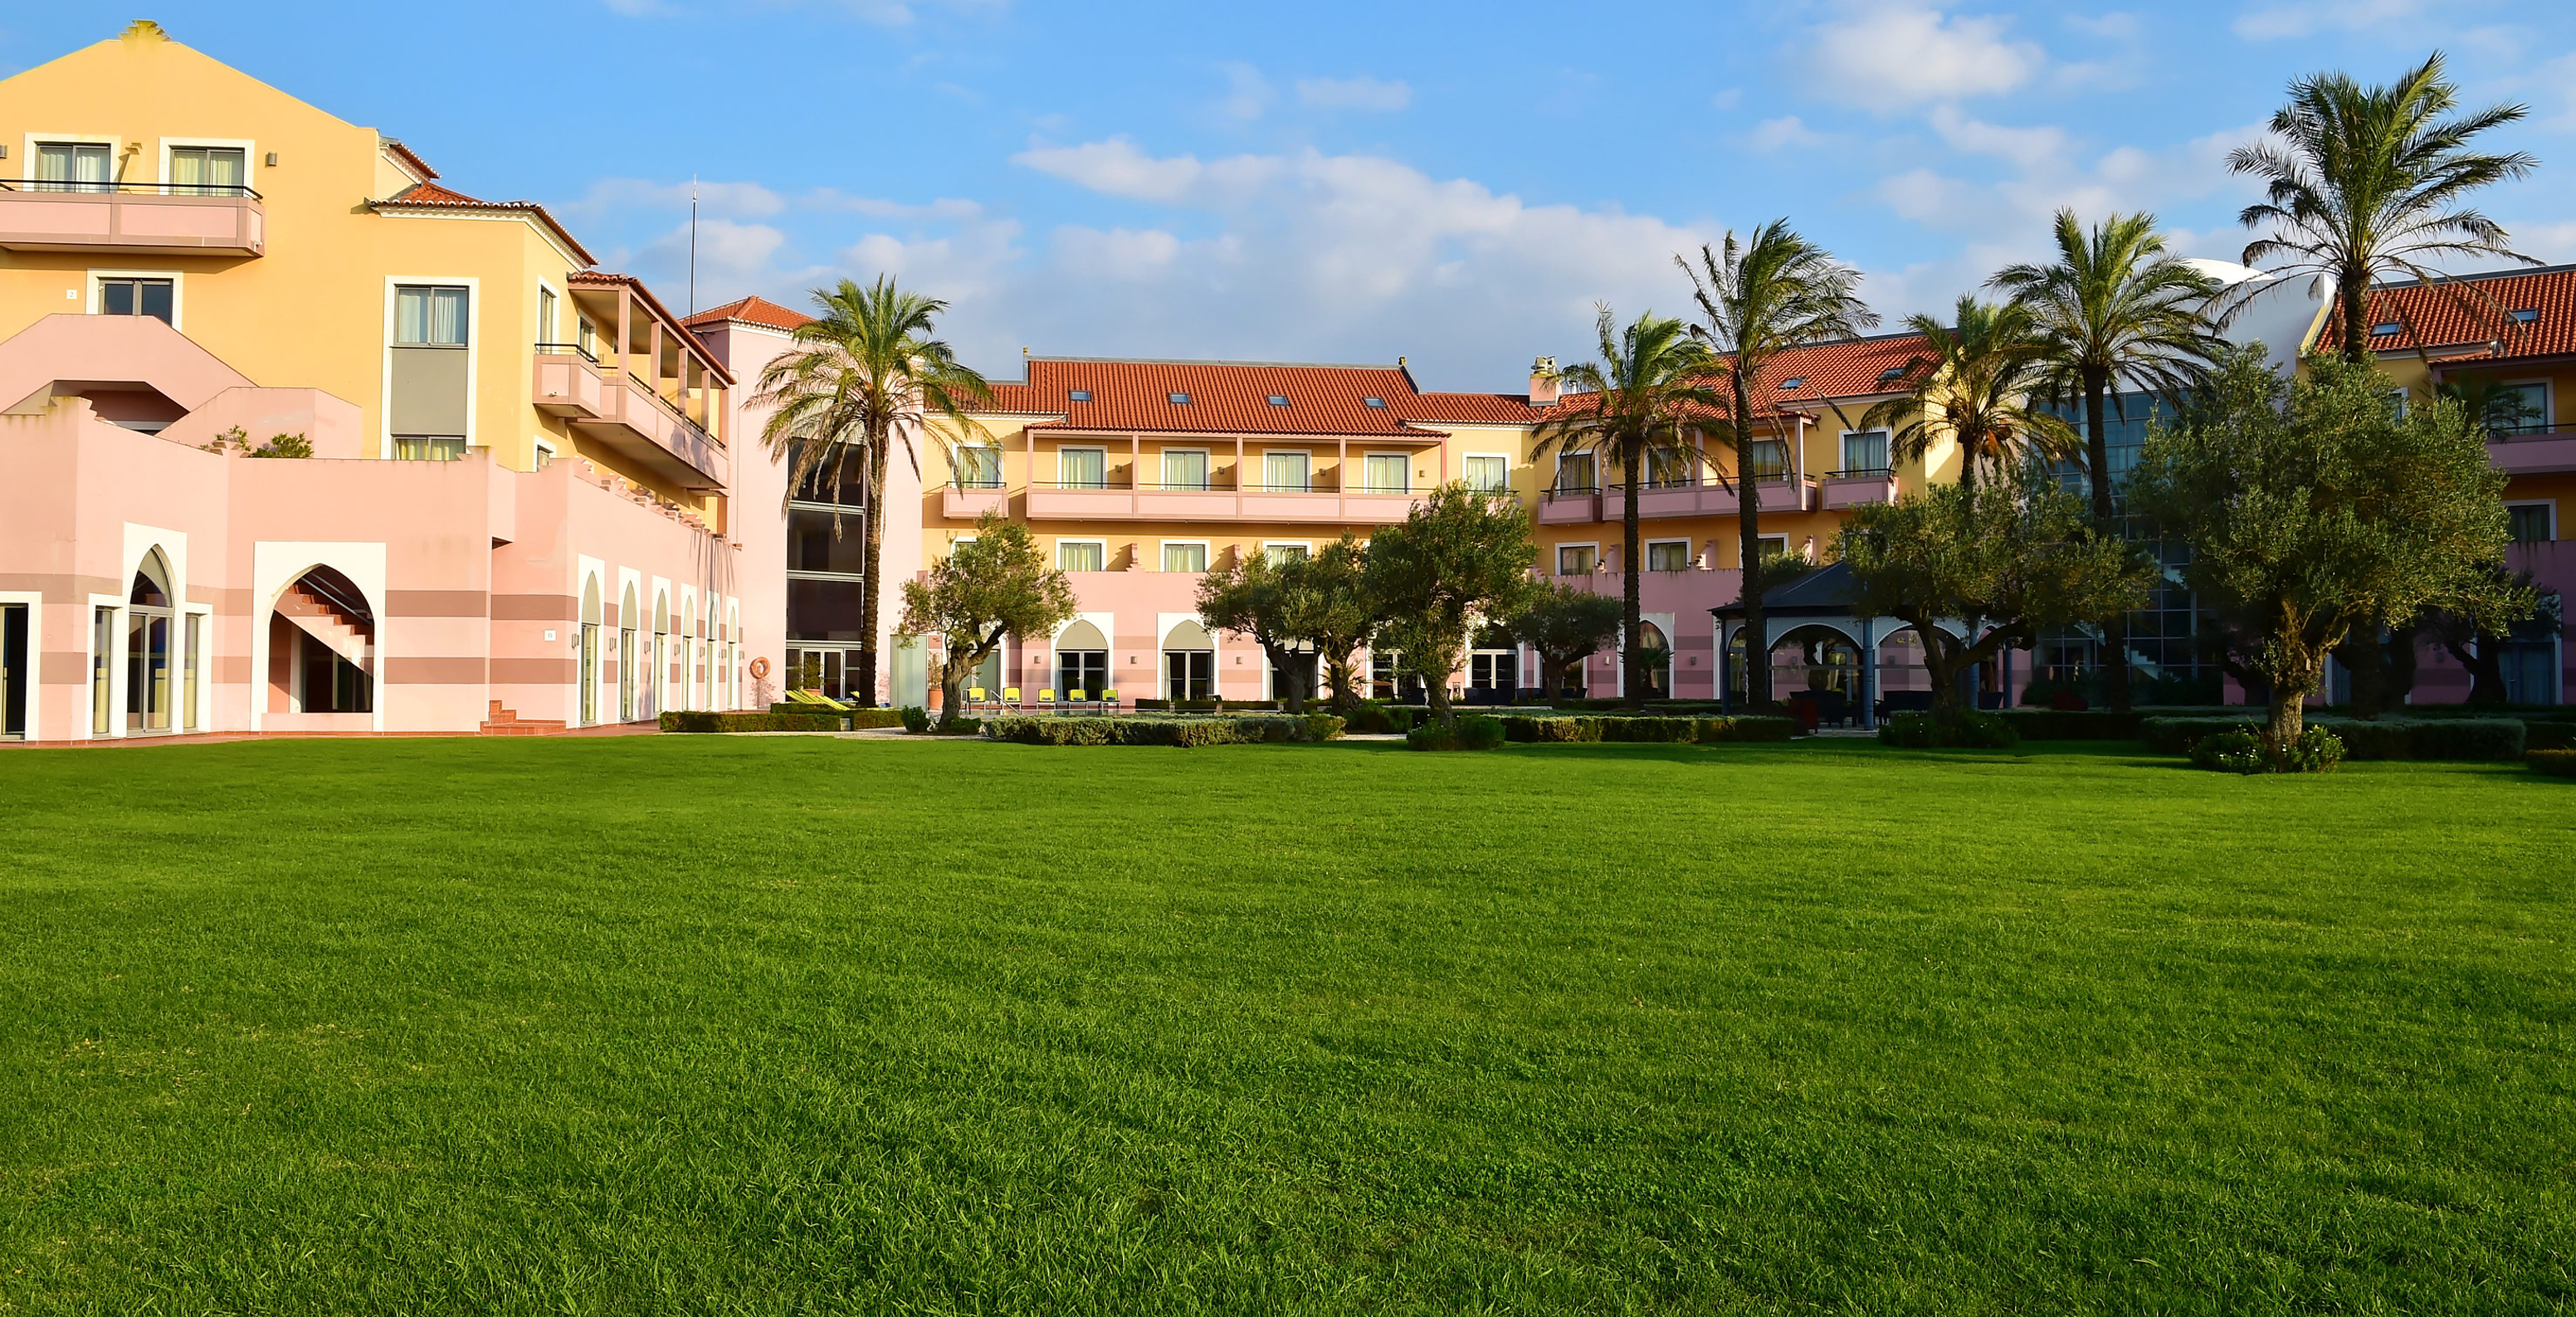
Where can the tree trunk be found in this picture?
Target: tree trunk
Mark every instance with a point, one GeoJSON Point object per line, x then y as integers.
{"type": "Point", "coordinates": [1945, 669]}
{"type": "Point", "coordinates": [2352, 294]}
{"type": "Point", "coordinates": [1291, 665]}
{"type": "Point", "coordinates": [2097, 454]}
{"type": "Point", "coordinates": [1436, 692]}
{"type": "Point", "coordinates": [1632, 677]}
{"type": "Point", "coordinates": [952, 694]}
{"type": "Point", "coordinates": [1757, 649]}
{"type": "Point", "coordinates": [2288, 719]}
{"type": "Point", "coordinates": [2485, 664]}
{"type": "Point", "coordinates": [872, 558]}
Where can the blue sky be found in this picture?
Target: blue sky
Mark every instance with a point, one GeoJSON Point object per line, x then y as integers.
{"type": "Point", "coordinates": [1458, 184]}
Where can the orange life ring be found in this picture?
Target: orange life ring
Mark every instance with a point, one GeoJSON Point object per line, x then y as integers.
{"type": "Point", "coordinates": [759, 668]}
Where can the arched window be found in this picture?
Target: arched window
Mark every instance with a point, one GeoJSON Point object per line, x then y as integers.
{"type": "Point", "coordinates": [1081, 661]}
{"type": "Point", "coordinates": [148, 618]}
{"type": "Point", "coordinates": [627, 685]}
{"type": "Point", "coordinates": [656, 673]}
{"type": "Point", "coordinates": [1189, 663]}
{"type": "Point", "coordinates": [590, 651]}
{"type": "Point", "coordinates": [322, 639]}
{"type": "Point", "coordinates": [1658, 655]}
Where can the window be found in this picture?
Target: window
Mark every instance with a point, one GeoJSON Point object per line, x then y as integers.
{"type": "Point", "coordinates": [1188, 556]}
{"type": "Point", "coordinates": [157, 298]}
{"type": "Point", "coordinates": [979, 466]}
{"type": "Point", "coordinates": [1373, 402]}
{"type": "Point", "coordinates": [1488, 473]}
{"type": "Point", "coordinates": [1082, 555]}
{"type": "Point", "coordinates": [102, 655]}
{"type": "Point", "coordinates": [1185, 468]}
{"type": "Point", "coordinates": [1864, 452]}
{"type": "Point", "coordinates": [1577, 473]}
{"type": "Point", "coordinates": [1772, 544]}
{"type": "Point", "coordinates": [586, 337]}
{"type": "Point", "coordinates": [1388, 473]}
{"type": "Point", "coordinates": [1287, 472]}
{"type": "Point", "coordinates": [219, 170]}
{"type": "Point", "coordinates": [1668, 556]}
{"type": "Point", "coordinates": [2526, 315]}
{"type": "Point", "coordinates": [822, 609]}
{"type": "Point", "coordinates": [816, 544]}
{"type": "Point", "coordinates": [1668, 468]}
{"type": "Point", "coordinates": [429, 447]}
{"type": "Point", "coordinates": [2519, 408]}
{"type": "Point", "coordinates": [1282, 554]}
{"type": "Point", "coordinates": [429, 317]}
{"type": "Point", "coordinates": [2532, 523]}
{"type": "Point", "coordinates": [1766, 459]}
{"type": "Point", "coordinates": [545, 314]}
{"type": "Point", "coordinates": [147, 653]}
{"type": "Point", "coordinates": [1891, 375]}
{"type": "Point", "coordinates": [1793, 382]}
{"type": "Point", "coordinates": [1077, 395]}
{"type": "Point", "coordinates": [545, 454]}
{"type": "Point", "coordinates": [840, 479]}
{"type": "Point", "coordinates": [1179, 399]}
{"type": "Point", "coordinates": [1576, 559]}
{"type": "Point", "coordinates": [2386, 327]}
{"type": "Point", "coordinates": [72, 167]}
{"type": "Point", "coordinates": [1082, 468]}
{"type": "Point", "coordinates": [1278, 400]}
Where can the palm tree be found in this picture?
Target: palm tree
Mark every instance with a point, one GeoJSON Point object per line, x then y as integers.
{"type": "Point", "coordinates": [1649, 382]}
{"type": "Point", "coordinates": [863, 377]}
{"type": "Point", "coordinates": [1773, 294]}
{"type": "Point", "coordinates": [2115, 309]}
{"type": "Point", "coordinates": [1978, 388]}
{"type": "Point", "coordinates": [2363, 182]}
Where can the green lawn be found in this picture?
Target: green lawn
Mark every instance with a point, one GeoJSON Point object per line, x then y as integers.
{"type": "Point", "coordinates": [772, 1025]}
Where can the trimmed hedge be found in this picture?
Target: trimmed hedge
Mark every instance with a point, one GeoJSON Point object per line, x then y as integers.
{"type": "Point", "coordinates": [1974, 730]}
{"type": "Point", "coordinates": [1647, 728]}
{"type": "Point", "coordinates": [857, 718]}
{"type": "Point", "coordinates": [2548, 736]}
{"type": "Point", "coordinates": [693, 720]}
{"type": "Point", "coordinates": [2472, 739]}
{"type": "Point", "coordinates": [1477, 732]}
{"type": "Point", "coordinates": [2072, 724]}
{"type": "Point", "coordinates": [2555, 763]}
{"type": "Point", "coordinates": [1181, 732]}
{"type": "Point", "coordinates": [1380, 718]}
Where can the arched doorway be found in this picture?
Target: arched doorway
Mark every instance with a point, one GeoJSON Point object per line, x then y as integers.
{"type": "Point", "coordinates": [149, 616]}
{"type": "Point", "coordinates": [628, 687]}
{"type": "Point", "coordinates": [1655, 654]}
{"type": "Point", "coordinates": [1081, 661]}
{"type": "Point", "coordinates": [322, 647]}
{"type": "Point", "coordinates": [590, 651]}
{"type": "Point", "coordinates": [1189, 663]}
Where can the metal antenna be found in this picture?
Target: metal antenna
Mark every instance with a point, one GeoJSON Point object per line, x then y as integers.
{"type": "Point", "coordinates": [693, 245]}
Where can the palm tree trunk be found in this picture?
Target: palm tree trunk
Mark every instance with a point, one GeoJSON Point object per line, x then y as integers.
{"type": "Point", "coordinates": [2097, 454]}
{"type": "Point", "coordinates": [1757, 649]}
{"type": "Point", "coordinates": [872, 557]}
{"type": "Point", "coordinates": [2352, 294]}
{"type": "Point", "coordinates": [1632, 675]}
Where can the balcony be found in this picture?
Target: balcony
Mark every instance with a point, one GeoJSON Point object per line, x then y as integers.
{"type": "Point", "coordinates": [1704, 498]}
{"type": "Point", "coordinates": [973, 501]}
{"type": "Point", "coordinates": [2532, 449]}
{"type": "Point", "coordinates": [1215, 503]}
{"type": "Point", "coordinates": [567, 382]}
{"type": "Point", "coordinates": [1851, 489]}
{"type": "Point", "coordinates": [644, 428]}
{"type": "Point", "coordinates": [133, 219]}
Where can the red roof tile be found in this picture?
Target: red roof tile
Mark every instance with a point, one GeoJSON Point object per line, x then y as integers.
{"type": "Point", "coordinates": [653, 307]}
{"type": "Point", "coordinates": [1828, 372]}
{"type": "Point", "coordinates": [752, 311]}
{"type": "Point", "coordinates": [2461, 316]}
{"type": "Point", "coordinates": [1230, 397]}
{"type": "Point", "coordinates": [409, 158]}
{"type": "Point", "coordinates": [433, 197]}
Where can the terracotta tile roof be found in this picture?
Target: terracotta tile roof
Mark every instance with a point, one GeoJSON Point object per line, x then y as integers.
{"type": "Point", "coordinates": [1828, 372]}
{"type": "Point", "coordinates": [2460, 317]}
{"type": "Point", "coordinates": [752, 311]}
{"type": "Point", "coordinates": [431, 197]}
{"type": "Point", "coordinates": [1233, 397]}
{"type": "Point", "coordinates": [409, 157]}
{"type": "Point", "coordinates": [652, 306]}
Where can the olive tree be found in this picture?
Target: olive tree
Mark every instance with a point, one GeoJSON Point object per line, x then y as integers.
{"type": "Point", "coordinates": [2313, 507]}
{"type": "Point", "coordinates": [994, 585]}
{"type": "Point", "coordinates": [1461, 558]}
{"type": "Point", "coordinates": [1564, 626]}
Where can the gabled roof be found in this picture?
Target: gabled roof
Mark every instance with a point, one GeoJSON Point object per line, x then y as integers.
{"type": "Point", "coordinates": [1233, 397]}
{"type": "Point", "coordinates": [758, 311]}
{"type": "Point", "coordinates": [689, 342]}
{"type": "Point", "coordinates": [432, 199]}
{"type": "Point", "coordinates": [2463, 314]}
{"type": "Point", "coordinates": [409, 158]}
{"type": "Point", "coordinates": [1840, 371]}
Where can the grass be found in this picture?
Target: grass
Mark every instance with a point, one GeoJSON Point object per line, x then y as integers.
{"type": "Point", "coordinates": [780, 1025]}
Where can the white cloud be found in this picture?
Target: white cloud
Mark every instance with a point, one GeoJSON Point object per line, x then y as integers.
{"type": "Point", "coordinates": [2027, 147]}
{"type": "Point", "coordinates": [1786, 131]}
{"type": "Point", "coordinates": [2116, 25]}
{"type": "Point", "coordinates": [942, 208]}
{"type": "Point", "coordinates": [2308, 17]}
{"type": "Point", "coordinates": [1248, 94]}
{"type": "Point", "coordinates": [735, 200]}
{"type": "Point", "coordinates": [1891, 53]}
{"type": "Point", "coordinates": [1362, 93]}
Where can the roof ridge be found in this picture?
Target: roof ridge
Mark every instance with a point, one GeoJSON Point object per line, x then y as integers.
{"type": "Point", "coordinates": [1220, 361]}
{"type": "Point", "coordinates": [2474, 276]}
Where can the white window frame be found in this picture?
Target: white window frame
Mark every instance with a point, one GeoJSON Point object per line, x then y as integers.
{"type": "Point", "coordinates": [1887, 443]}
{"type": "Point", "coordinates": [1368, 488]}
{"type": "Point", "coordinates": [1590, 455]}
{"type": "Point", "coordinates": [1761, 542]}
{"type": "Point", "coordinates": [1306, 453]}
{"type": "Point", "coordinates": [178, 289]}
{"type": "Point", "coordinates": [248, 148]}
{"type": "Point", "coordinates": [1504, 458]}
{"type": "Point", "coordinates": [1649, 547]}
{"type": "Point", "coordinates": [1594, 545]}
{"type": "Point", "coordinates": [109, 140]}
{"type": "Point", "coordinates": [1265, 546]}
{"type": "Point", "coordinates": [474, 336]}
{"type": "Point", "coordinates": [1162, 555]}
{"type": "Point", "coordinates": [2549, 503]}
{"type": "Point", "coordinates": [546, 453]}
{"type": "Point", "coordinates": [1207, 461]}
{"type": "Point", "coordinates": [1103, 450]}
{"type": "Point", "coordinates": [546, 332]}
{"type": "Point", "coordinates": [996, 450]}
{"type": "Point", "coordinates": [2548, 417]}
{"type": "Point", "coordinates": [1102, 545]}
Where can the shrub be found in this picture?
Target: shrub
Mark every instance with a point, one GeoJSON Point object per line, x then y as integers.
{"type": "Point", "coordinates": [2316, 751]}
{"type": "Point", "coordinates": [1182, 732]}
{"type": "Point", "coordinates": [698, 720]}
{"type": "Point", "coordinates": [1477, 733]}
{"type": "Point", "coordinates": [1379, 717]}
{"type": "Point", "coordinates": [1561, 728]}
{"type": "Point", "coordinates": [2555, 763]}
{"type": "Point", "coordinates": [2237, 751]}
{"type": "Point", "coordinates": [2540, 735]}
{"type": "Point", "coordinates": [2176, 736]}
{"type": "Point", "coordinates": [915, 719]}
{"type": "Point", "coordinates": [2072, 724]}
{"type": "Point", "coordinates": [1973, 730]}
{"type": "Point", "coordinates": [857, 718]}
{"type": "Point", "coordinates": [2478, 739]}
{"type": "Point", "coordinates": [2240, 750]}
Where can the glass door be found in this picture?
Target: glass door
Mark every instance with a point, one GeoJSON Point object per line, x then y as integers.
{"type": "Point", "coordinates": [13, 670]}
{"type": "Point", "coordinates": [1287, 473]}
{"type": "Point", "coordinates": [1192, 674]}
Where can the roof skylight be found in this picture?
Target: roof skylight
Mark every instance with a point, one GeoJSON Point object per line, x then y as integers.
{"type": "Point", "coordinates": [1374, 402]}
{"type": "Point", "coordinates": [1078, 395]}
{"type": "Point", "coordinates": [1180, 399]}
{"type": "Point", "coordinates": [1278, 400]}
{"type": "Point", "coordinates": [2526, 314]}
{"type": "Point", "coordinates": [2385, 328]}
{"type": "Point", "coordinates": [1793, 382]}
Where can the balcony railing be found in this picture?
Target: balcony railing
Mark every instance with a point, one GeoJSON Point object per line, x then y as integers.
{"type": "Point", "coordinates": [1214, 500]}
{"type": "Point", "coordinates": [568, 350]}
{"type": "Point", "coordinates": [165, 219]}
{"type": "Point", "coordinates": [2532, 448]}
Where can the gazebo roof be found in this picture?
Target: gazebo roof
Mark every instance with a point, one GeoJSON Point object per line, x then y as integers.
{"type": "Point", "coordinates": [1824, 592]}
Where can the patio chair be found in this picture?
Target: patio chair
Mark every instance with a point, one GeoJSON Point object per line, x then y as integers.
{"type": "Point", "coordinates": [974, 698]}
{"type": "Point", "coordinates": [1073, 699]}
{"type": "Point", "coordinates": [1011, 698]}
{"type": "Point", "coordinates": [1046, 699]}
{"type": "Point", "coordinates": [1109, 701]}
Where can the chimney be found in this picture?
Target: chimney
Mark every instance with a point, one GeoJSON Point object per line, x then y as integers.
{"type": "Point", "coordinates": [1543, 385]}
